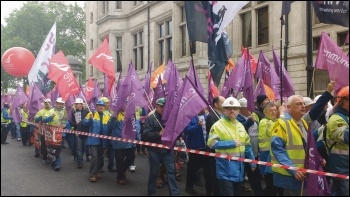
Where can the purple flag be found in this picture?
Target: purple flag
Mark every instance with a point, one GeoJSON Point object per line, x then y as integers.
{"type": "Point", "coordinates": [168, 70]}
{"type": "Point", "coordinates": [189, 103]}
{"type": "Point", "coordinates": [317, 185]}
{"type": "Point", "coordinates": [159, 92]}
{"type": "Point", "coordinates": [173, 84]}
{"type": "Point", "coordinates": [54, 95]}
{"type": "Point", "coordinates": [247, 86]}
{"type": "Point", "coordinates": [131, 77]}
{"type": "Point", "coordinates": [287, 83]}
{"type": "Point", "coordinates": [234, 81]}
{"type": "Point", "coordinates": [194, 77]}
{"type": "Point", "coordinates": [116, 94]}
{"type": "Point", "coordinates": [95, 95]}
{"type": "Point", "coordinates": [134, 99]}
{"type": "Point", "coordinates": [34, 104]}
{"type": "Point", "coordinates": [259, 90]}
{"type": "Point", "coordinates": [19, 98]}
{"type": "Point", "coordinates": [69, 106]}
{"type": "Point", "coordinates": [16, 115]}
{"type": "Point", "coordinates": [268, 74]}
{"type": "Point", "coordinates": [330, 57]}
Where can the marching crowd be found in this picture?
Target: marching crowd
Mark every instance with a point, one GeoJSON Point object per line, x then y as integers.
{"type": "Point", "coordinates": [274, 132]}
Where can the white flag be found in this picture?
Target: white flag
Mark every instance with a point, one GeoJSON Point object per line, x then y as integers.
{"type": "Point", "coordinates": [40, 67]}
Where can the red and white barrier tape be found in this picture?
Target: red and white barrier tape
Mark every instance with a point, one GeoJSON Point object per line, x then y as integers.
{"type": "Point", "coordinates": [341, 176]}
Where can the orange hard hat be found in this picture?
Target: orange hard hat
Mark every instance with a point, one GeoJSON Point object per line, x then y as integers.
{"type": "Point", "coordinates": [343, 93]}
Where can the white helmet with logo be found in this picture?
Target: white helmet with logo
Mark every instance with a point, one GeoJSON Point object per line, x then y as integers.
{"type": "Point", "coordinates": [231, 102]}
{"type": "Point", "coordinates": [78, 100]}
{"type": "Point", "coordinates": [59, 100]}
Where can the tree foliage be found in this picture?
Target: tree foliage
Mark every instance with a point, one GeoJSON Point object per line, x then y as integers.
{"type": "Point", "coordinates": [29, 26]}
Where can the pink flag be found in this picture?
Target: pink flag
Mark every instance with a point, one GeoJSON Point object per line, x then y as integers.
{"type": "Point", "coordinates": [330, 57]}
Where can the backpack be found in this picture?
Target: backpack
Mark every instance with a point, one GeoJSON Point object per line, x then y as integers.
{"type": "Point", "coordinates": [320, 136]}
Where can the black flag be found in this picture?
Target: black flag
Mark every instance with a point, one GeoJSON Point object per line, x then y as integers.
{"type": "Point", "coordinates": [332, 12]}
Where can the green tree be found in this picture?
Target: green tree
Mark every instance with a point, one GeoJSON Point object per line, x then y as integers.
{"type": "Point", "coordinates": [29, 26]}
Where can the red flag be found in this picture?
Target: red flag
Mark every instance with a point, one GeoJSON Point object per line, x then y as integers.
{"type": "Point", "coordinates": [89, 89]}
{"type": "Point", "coordinates": [103, 61]}
{"type": "Point", "coordinates": [253, 61]}
{"type": "Point", "coordinates": [61, 73]}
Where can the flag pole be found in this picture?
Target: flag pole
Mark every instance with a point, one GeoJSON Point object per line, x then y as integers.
{"type": "Point", "coordinates": [302, 188]}
{"type": "Point", "coordinates": [194, 70]}
{"type": "Point", "coordinates": [281, 69]}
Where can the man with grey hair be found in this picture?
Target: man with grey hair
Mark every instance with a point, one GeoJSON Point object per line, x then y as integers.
{"type": "Point", "coordinates": [288, 143]}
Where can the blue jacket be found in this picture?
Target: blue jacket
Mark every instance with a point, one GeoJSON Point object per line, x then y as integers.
{"type": "Point", "coordinates": [116, 127]}
{"type": "Point", "coordinates": [95, 127]}
{"type": "Point", "coordinates": [194, 138]}
{"type": "Point", "coordinates": [5, 114]}
{"type": "Point", "coordinates": [246, 123]}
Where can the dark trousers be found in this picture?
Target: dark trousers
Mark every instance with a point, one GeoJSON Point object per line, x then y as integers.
{"type": "Point", "coordinates": [43, 149]}
{"type": "Point", "coordinates": [195, 162]}
{"type": "Point", "coordinates": [270, 189]}
{"type": "Point", "coordinates": [25, 135]}
{"type": "Point", "coordinates": [254, 178]}
{"type": "Point", "coordinates": [5, 128]}
{"type": "Point", "coordinates": [124, 157]}
{"type": "Point", "coordinates": [211, 183]}
{"type": "Point", "coordinates": [230, 188]}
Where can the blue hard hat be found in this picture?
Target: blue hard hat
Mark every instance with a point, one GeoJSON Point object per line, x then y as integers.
{"type": "Point", "coordinates": [100, 102]}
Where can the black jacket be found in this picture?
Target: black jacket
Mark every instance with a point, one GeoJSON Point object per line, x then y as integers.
{"type": "Point", "coordinates": [80, 127]}
{"type": "Point", "coordinates": [152, 129]}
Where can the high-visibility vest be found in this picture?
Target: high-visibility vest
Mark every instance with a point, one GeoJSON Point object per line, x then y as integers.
{"type": "Point", "coordinates": [265, 131]}
{"type": "Point", "coordinates": [336, 127]}
{"type": "Point", "coordinates": [291, 134]}
{"type": "Point", "coordinates": [3, 120]}
{"type": "Point", "coordinates": [24, 117]}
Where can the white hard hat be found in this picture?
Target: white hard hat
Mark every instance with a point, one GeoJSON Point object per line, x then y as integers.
{"type": "Point", "coordinates": [79, 100]}
{"type": "Point", "coordinates": [308, 101]}
{"type": "Point", "coordinates": [47, 100]}
{"type": "Point", "coordinates": [59, 100]}
{"type": "Point", "coordinates": [243, 101]}
{"type": "Point", "coordinates": [231, 102]}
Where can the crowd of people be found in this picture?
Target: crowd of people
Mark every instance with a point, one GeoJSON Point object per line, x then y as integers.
{"type": "Point", "coordinates": [274, 132]}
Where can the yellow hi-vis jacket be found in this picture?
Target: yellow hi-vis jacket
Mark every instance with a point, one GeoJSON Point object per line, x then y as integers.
{"type": "Point", "coordinates": [291, 134]}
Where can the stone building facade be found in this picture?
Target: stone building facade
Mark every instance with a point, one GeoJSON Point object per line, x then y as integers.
{"type": "Point", "coordinates": [154, 31]}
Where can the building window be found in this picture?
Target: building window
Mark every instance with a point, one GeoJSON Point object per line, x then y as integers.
{"type": "Point", "coordinates": [91, 17]}
{"type": "Point", "coordinates": [315, 43]}
{"type": "Point", "coordinates": [341, 36]}
{"type": "Point", "coordinates": [322, 79]}
{"type": "Point", "coordinates": [185, 48]}
{"type": "Point", "coordinates": [165, 41]}
{"type": "Point", "coordinates": [118, 5]}
{"type": "Point", "coordinates": [251, 38]}
{"type": "Point", "coordinates": [138, 50]}
{"type": "Point", "coordinates": [246, 29]}
{"type": "Point", "coordinates": [91, 44]}
{"type": "Point", "coordinates": [119, 53]}
{"type": "Point", "coordinates": [105, 7]}
{"type": "Point", "coordinates": [263, 26]}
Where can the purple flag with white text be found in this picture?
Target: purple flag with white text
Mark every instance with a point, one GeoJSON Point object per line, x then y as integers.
{"type": "Point", "coordinates": [133, 101]}
{"type": "Point", "coordinates": [187, 105]}
{"type": "Point", "coordinates": [317, 185]}
{"type": "Point", "coordinates": [173, 84]}
{"type": "Point", "coordinates": [330, 57]}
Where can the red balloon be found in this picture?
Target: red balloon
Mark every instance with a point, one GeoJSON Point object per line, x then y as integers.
{"type": "Point", "coordinates": [17, 61]}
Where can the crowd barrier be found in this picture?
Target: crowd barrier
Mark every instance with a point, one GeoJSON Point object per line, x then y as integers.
{"type": "Point", "coordinates": [57, 131]}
